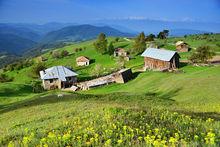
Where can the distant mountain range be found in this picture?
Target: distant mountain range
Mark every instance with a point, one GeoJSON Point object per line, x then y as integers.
{"type": "Point", "coordinates": [80, 33]}
{"type": "Point", "coordinates": [20, 38]}
{"type": "Point", "coordinates": [154, 26]}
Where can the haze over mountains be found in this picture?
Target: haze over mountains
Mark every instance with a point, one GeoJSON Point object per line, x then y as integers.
{"type": "Point", "coordinates": [18, 38]}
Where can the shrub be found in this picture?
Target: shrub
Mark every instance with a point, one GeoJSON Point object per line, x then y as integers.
{"type": "Point", "coordinates": [36, 86]}
{"type": "Point", "coordinates": [37, 68]}
{"type": "Point", "coordinates": [97, 70]}
{"type": "Point", "coordinates": [5, 78]}
{"type": "Point", "coordinates": [56, 54]}
{"type": "Point", "coordinates": [19, 65]}
{"type": "Point", "coordinates": [64, 53]}
{"type": "Point", "coordinates": [76, 50]}
{"type": "Point", "coordinates": [121, 62]}
{"type": "Point", "coordinates": [117, 39]}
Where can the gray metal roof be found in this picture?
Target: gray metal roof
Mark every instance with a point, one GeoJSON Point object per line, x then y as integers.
{"type": "Point", "coordinates": [160, 54]}
{"type": "Point", "coordinates": [57, 72]}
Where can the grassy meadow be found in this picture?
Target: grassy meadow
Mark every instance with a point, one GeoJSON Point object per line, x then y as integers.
{"type": "Point", "coordinates": [155, 108]}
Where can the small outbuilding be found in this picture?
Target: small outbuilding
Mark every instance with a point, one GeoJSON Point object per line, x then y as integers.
{"type": "Point", "coordinates": [120, 52]}
{"type": "Point", "coordinates": [182, 46]}
{"type": "Point", "coordinates": [58, 77]}
{"type": "Point", "coordinates": [123, 76]}
{"type": "Point", "coordinates": [41, 59]}
{"type": "Point", "coordinates": [160, 59]}
{"type": "Point", "coordinates": [82, 61]}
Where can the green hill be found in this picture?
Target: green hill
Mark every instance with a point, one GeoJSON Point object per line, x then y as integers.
{"type": "Point", "coordinates": [154, 108]}
{"type": "Point", "coordinates": [79, 33]}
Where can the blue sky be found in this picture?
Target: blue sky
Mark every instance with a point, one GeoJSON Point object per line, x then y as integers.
{"type": "Point", "coordinates": [43, 11]}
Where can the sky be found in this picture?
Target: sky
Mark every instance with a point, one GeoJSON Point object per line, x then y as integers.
{"type": "Point", "coordinates": [44, 11]}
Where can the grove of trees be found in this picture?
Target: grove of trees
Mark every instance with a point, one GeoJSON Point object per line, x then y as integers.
{"type": "Point", "coordinates": [163, 35]}
{"type": "Point", "coordinates": [202, 54]}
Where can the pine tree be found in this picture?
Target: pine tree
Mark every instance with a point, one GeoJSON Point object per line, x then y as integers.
{"type": "Point", "coordinates": [140, 44]}
{"type": "Point", "coordinates": [101, 44]}
{"type": "Point", "coordinates": [111, 49]}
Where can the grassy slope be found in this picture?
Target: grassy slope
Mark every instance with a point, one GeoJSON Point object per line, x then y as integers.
{"type": "Point", "coordinates": [195, 84]}
{"type": "Point", "coordinates": [195, 87]}
{"type": "Point", "coordinates": [194, 91]}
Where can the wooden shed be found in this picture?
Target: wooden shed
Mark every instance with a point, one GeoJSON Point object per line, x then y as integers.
{"type": "Point", "coordinates": [182, 46]}
{"type": "Point", "coordinates": [82, 61]}
{"type": "Point", "coordinates": [123, 76]}
{"type": "Point", "coordinates": [160, 59]}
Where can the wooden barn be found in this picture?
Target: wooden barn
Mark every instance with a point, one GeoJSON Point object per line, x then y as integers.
{"type": "Point", "coordinates": [182, 46]}
{"type": "Point", "coordinates": [160, 59]}
{"type": "Point", "coordinates": [58, 77]}
{"type": "Point", "coordinates": [82, 61]}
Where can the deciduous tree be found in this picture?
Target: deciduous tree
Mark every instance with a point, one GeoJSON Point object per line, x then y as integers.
{"type": "Point", "coordinates": [202, 54]}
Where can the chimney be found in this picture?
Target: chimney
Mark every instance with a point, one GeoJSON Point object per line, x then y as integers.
{"type": "Point", "coordinates": [42, 73]}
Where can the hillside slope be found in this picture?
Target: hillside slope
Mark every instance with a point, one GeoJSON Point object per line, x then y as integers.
{"type": "Point", "coordinates": [183, 108]}
{"type": "Point", "coordinates": [80, 33]}
{"type": "Point", "coordinates": [15, 45]}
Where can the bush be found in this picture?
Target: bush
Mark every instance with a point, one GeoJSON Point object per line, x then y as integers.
{"type": "Point", "coordinates": [36, 86]}
{"type": "Point", "coordinates": [202, 55]}
{"type": "Point", "coordinates": [117, 39]}
{"type": "Point", "coordinates": [64, 53]}
{"type": "Point", "coordinates": [19, 65]}
{"type": "Point", "coordinates": [37, 68]}
{"type": "Point", "coordinates": [5, 78]}
{"type": "Point", "coordinates": [76, 50]}
{"type": "Point", "coordinates": [97, 70]}
{"type": "Point", "coordinates": [56, 54]}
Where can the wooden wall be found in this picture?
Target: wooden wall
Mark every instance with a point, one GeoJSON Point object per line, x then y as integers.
{"type": "Point", "coordinates": [150, 63]}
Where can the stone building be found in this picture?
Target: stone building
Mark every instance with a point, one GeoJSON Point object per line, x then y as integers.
{"type": "Point", "coordinates": [58, 77]}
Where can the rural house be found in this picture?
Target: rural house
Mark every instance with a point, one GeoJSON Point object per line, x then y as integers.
{"type": "Point", "coordinates": [82, 61]}
{"type": "Point", "coordinates": [182, 46]}
{"type": "Point", "coordinates": [57, 77]}
{"type": "Point", "coordinates": [160, 59]}
{"type": "Point", "coordinates": [120, 52]}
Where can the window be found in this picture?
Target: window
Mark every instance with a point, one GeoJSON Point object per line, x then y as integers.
{"type": "Point", "coordinates": [69, 78]}
{"type": "Point", "coordinates": [51, 80]}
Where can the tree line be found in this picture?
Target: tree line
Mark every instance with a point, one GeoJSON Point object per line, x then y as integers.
{"type": "Point", "coordinates": [101, 44]}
